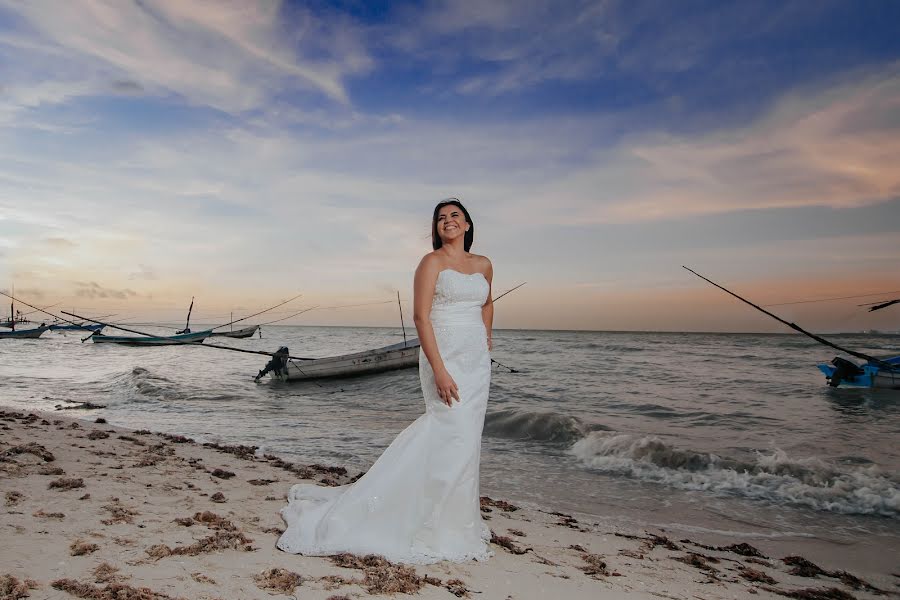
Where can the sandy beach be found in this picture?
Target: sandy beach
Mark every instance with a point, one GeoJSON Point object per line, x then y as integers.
{"type": "Point", "coordinates": [95, 511]}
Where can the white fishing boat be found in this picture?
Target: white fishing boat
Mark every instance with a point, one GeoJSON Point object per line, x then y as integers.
{"type": "Point", "coordinates": [389, 358]}
{"type": "Point", "coordinates": [237, 333]}
{"type": "Point", "coordinates": [132, 340]}
{"type": "Point", "coordinates": [19, 334]}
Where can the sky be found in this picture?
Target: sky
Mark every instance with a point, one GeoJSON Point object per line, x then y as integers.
{"type": "Point", "coordinates": [245, 152]}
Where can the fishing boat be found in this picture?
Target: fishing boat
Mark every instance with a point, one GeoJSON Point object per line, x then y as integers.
{"type": "Point", "coordinates": [131, 340]}
{"type": "Point", "coordinates": [885, 374]}
{"type": "Point", "coordinates": [75, 327]}
{"type": "Point", "coordinates": [237, 333]}
{"type": "Point", "coordinates": [396, 356]}
{"type": "Point", "coordinates": [19, 334]}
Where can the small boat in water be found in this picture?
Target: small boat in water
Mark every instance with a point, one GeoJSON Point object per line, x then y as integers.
{"type": "Point", "coordinates": [237, 333]}
{"type": "Point", "coordinates": [19, 334]}
{"type": "Point", "coordinates": [75, 327]}
{"type": "Point", "coordinates": [389, 358]}
{"type": "Point", "coordinates": [885, 374]}
{"type": "Point", "coordinates": [132, 340]}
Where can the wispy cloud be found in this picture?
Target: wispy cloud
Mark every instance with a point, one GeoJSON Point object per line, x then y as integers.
{"type": "Point", "coordinates": [231, 56]}
{"type": "Point", "coordinates": [830, 145]}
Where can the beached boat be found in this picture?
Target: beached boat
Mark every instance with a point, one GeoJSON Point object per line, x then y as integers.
{"type": "Point", "coordinates": [237, 333]}
{"type": "Point", "coordinates": [19, 334]}
{"type": "Point", "coordinates": [131, 340]}
{"type": "Point", "coordinates": [388, 358]}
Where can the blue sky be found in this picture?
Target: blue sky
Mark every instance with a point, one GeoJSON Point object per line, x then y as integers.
{"type": "Point", "coordinates": [244, 152]}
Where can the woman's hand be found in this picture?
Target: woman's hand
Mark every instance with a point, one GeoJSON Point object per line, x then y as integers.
{"type": "Point", "coordinates": [490, 343]}
{"type": "Point", "coordinates": [446, 387]}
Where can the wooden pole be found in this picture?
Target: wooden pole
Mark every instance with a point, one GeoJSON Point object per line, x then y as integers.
{"type": "Point", "coordinates": [402, 326]}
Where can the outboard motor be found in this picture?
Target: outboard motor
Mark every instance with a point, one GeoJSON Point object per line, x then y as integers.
{"type": "Point", "coordinates": [278, 364]}
{"type": "Point", "coordinates": [844, 369]}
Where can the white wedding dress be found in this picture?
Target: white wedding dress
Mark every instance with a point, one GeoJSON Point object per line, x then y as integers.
{"type": "Point", "coordinates": [419, 502]}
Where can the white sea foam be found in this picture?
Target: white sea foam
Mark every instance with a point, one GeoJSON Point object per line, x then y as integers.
{"type": "Point", "coordinates": [775, 477]}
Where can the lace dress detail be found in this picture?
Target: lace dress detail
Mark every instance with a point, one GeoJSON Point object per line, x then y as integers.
{"type": "Point", "coordinates": [419, 502]}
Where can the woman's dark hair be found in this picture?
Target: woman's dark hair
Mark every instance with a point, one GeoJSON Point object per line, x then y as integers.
{"type": "Point", "coordinates": [470, 234]}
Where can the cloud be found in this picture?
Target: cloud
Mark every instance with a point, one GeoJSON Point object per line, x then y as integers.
{"type": "Point", "coordinates": [232, 56]}
{"type": "Point", "coordinates": [830, 145]}
{"type": "Point", "coordinates": [144, 272]}
{"type": "Point", "coordinates": [92, 290]}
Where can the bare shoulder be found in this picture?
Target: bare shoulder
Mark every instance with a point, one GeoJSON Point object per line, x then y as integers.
{"type": "Point", "coordinates": [483, 263]}
{"type": "Point", "coordinates": [430, 264]}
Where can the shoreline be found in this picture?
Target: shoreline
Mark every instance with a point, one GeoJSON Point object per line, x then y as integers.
{"type": "Point", "coordinates": [92, 508]}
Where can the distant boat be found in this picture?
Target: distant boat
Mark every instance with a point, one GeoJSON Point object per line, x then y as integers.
{"type": "Point", "coordinates": [132, 340]}
{"type": "Point", "coordinates": [24, 333]}
{"type": "Point", "coordinates": [73, 327]}
{"type": "Point", "coordinates": [237, 333]}
{"type": "Point", "coordinates": [19, 334]}
{"type": "Point", "coordinates": [388, 358]}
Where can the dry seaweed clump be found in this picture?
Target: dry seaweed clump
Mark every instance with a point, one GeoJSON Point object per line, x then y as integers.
{"type": "Point", "coordinates": [458, 588]}
{"type": "Point", "coordinates": [214, 521]}
{"type": "Point", "coordinates": [278, 580]}
{"type": "Point", "coordinates": [113, 591]}
{"type": "Point", "coordinates": [503, 505]}
{"type": "Point", "coordinates": [381, 575]}
{"type": "Point", "coordinates": [66, 483]}
{"type": "Point", "coordinates": [507, 544]}
{"type": "Point", "coordinates": [813, 593]}
{"type": "Point", "coordinates": [79, 548]}
{"type": "Point", "coordinates": [595, 566]}
{"type": "Point", "coordinates": [31, 448]}
{"type": "Point", "coordinates": [119, 513]}
{"type": "Point", "coordinates": [13, 589]}
{"type": "Point", "coordinates": [220, 540]}
{"type": "Point", "coordinates": [106, 573]}
{"type": "Point", "coordinates": [13, 498]}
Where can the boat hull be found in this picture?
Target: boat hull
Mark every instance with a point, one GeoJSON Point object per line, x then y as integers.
{"type": "Point", "coordinates": [867, 375]}
{"type": "Point", "coordinates": [237, 333]}
{"type": "Point", "coordinates": [23, 334]}
{"type": "Point", "coordinates": [76, 327]}
{"type": "Point", "coordinates": [185, 338]}
{"type": "Point", "coordinates": [389, 358]}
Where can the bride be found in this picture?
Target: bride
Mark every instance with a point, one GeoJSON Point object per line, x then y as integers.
{"type": "Point", "coordinates": [419, 502]}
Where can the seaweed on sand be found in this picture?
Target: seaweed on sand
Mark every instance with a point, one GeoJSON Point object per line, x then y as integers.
{"type": "Point", "coordinates": [79, 548]}
{"type": "Point", "coordinates": [13, 498]}
{"type": "Point", "coordinates": [507, 544]}
{"type": "Point", "coordinates": [30, 448]}
{"type": "Point", "coordinates": [66, 483]}
{"type": "Point", "coordinates": [220, 540]}
{"type": "Point", "coordinates": [119, 513]}
{"type": "Point", "coordinates": [381, 575]}
{"type": "Point", "coordinates": [214, 521]}
{"type": "Point", "coordinates": [113, 591]}
{"type": "Point", "coordinates": [105, 573]}
{"type": "Point", "coordinates": [278, 580]}
{"type": "Point", "coordinates": [13, 589]}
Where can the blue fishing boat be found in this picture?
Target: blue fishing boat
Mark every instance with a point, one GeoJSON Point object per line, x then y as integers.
{"type": "Point", "coordinates": [132, 340]}
{"type": "Point", "coordinates": [81, 327]}
{"type": "Point", "coordinates": [885, 374]}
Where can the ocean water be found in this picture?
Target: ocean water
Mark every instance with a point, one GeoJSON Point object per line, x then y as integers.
{"type": "Point", "coordinates": [718, 436]}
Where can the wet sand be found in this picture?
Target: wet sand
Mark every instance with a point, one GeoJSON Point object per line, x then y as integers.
{"type": "Point", "coordinates": [95, 511]}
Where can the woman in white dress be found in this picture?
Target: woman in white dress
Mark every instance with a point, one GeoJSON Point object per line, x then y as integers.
{"type": "Point", "coordinates": [419, 502]}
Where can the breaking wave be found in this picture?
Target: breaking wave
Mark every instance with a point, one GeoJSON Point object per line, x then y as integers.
{"type": "Point", "coordinates": [775, 477]}
{"type": "Point", "coordinates": [547, 427]}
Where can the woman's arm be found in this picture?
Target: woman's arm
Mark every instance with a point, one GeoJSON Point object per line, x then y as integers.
{"type": "Point", "coordinates": [423, 293]}
{"type": "Point", "coordinates": [487, 310]}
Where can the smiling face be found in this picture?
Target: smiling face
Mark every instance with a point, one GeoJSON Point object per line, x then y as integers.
{"type": "Point", "coordinates": [451, 223]}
